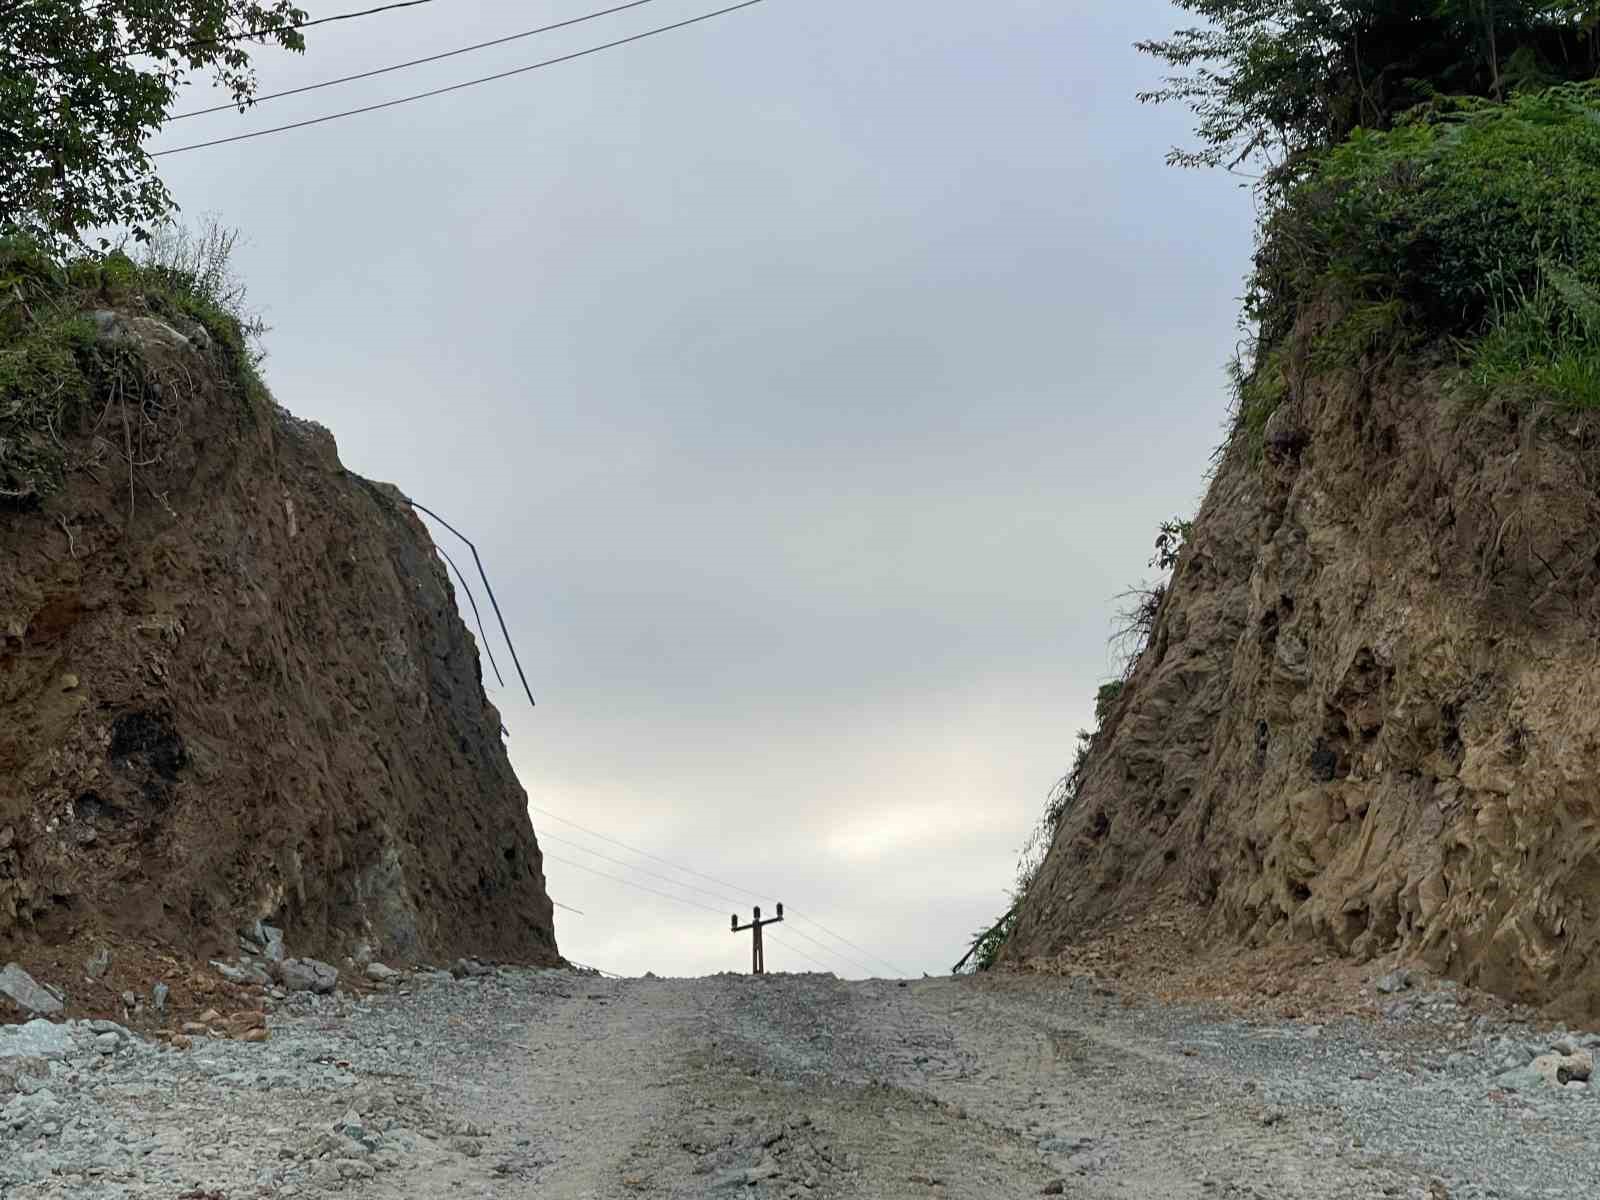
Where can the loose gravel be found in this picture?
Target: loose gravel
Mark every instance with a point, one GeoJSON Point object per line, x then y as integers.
{"type": "Point", "coordinates": [556, 1084]}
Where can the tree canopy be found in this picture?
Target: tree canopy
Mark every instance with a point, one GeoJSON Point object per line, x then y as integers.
{"type": "Point", "coordinates": [1276, 79]}
{"type": "Point", "coordinates": [84, 82]}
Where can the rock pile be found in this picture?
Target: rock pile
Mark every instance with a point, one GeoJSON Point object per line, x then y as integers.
{"type": "Point", "coordinates": [300, 1101]}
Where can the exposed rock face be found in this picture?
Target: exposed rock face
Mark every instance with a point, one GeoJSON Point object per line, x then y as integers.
{"type": "Point", "coordinates": [233, 687]}
{"type": "Point", "coordinates": [1369, 714]}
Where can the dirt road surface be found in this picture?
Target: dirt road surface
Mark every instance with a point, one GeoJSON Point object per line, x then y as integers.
{"type": "Point", "coordinates": [568, 1087]}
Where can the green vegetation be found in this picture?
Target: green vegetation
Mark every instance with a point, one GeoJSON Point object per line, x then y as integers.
{"type": "Point", "coordinates": [85, 84]}
{"type": "Point", "coordinates": [54, 369]}
{"type": "Point", "coordinates": [1171, 537]}
{"type": "Point", "coordinates": [1431, 182]}
{"type": "Point", "coordinates": [1470, 223]}
{"type": "Point", "coordinates": [1280, 80]}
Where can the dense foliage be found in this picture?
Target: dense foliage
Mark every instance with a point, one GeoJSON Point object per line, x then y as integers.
{"type": "Point", "coordinates": [1281, 79]}
{"type": "Point", "coordinates": [83, 84]}
{"type": "Point", "coordinates": [1472, 221]}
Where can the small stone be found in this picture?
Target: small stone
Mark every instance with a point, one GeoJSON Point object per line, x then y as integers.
{"type": "Point", "coordinates": [254, 1035]}
{"type": "Point", "coordinates": [244, 973]}
{"type": "Point", "coordinates": [69, 682]}
{"type": "Point", "coordinates": [27, 992]}
{"type": "Point", "coordinates": [158, 996]}
{"type": "Point", "coordinates": [1394, 981]}
{"type": "Point", "coordinates": [1054, 1188]}
{"type": "Point", "coordinates": [97, 966]}
{"type": "Point", "coordinates": [106, 1043]}
{"type": "Point", "coordinates": [243, 1022]}
{"type": "Point", "coordinates": [379, 973]}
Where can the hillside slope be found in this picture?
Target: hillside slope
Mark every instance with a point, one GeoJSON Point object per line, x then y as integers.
{"type": "Point", "coordinates": [1369, 712]}
{"type": "Point", "coordinates": [233, 683]}
{"type": "Point", "coordinates": [1366, 717]}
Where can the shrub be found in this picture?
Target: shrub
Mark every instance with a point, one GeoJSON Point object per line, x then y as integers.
{"type": "Point", "coordinates": [1445, 219]}
{"type": "Point", "coordinates": [1469, 223]}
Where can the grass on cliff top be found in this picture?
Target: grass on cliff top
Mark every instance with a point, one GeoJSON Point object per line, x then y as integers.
{"type": "Point", "coordinates": [1471, 224]}
{"type": "Point", "coordinates": [52, 367]}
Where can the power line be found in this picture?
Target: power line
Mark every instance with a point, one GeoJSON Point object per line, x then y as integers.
{"type": "Point", "coordinates": [246, 35]}
{"type": "Point", "coordinates": [713, 879]}
{"type": "Point", "coordinates": [653, 857]}
{"type": "Point", "coordinates": [243, 35]}
{"type": "Point", "coordinates": [852, 960]}
{"type": "Point", "coordinates": [471, 599]}
{"type": "Point", "coordinates": [827, 949]}
{"type": "Point", "coordinates": [456, 87]}
{"type": "Point", "coordinates": [632, 867]}
{"type": "Point", "coordinates": [568, 907]}
{"type": "Point", "coordinates": [415, 62]}
{"type": "Point", "coordinates": [801, 953]}
{"type": "Point", "coordinates": [813, 921]}
{"type": "Point", "coordinates": [632, 884]}
{"type": "Point", "coordinates": [484, 575]}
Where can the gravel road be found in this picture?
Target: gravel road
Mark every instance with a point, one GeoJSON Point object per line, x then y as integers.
{"type": "Point", "coordinates": [564, 1086]}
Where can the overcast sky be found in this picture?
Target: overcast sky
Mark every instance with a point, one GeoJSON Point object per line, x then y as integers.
{"type": "Point", "coordinates": [811, 380]}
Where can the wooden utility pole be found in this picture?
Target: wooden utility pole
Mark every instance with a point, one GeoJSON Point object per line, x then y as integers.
{"type": "Point", "coordinates": [758, 956]}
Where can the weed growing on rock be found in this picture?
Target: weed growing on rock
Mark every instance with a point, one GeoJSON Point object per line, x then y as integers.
{"type": "Point", "coordinates": [55, 365]}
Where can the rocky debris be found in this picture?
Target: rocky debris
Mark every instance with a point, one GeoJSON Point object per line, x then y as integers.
{"type": "Point", "coordinates": [98, 965]}
{"type": "Point", "coordinates": [244, 972]}
{"type": "Point", "coordinates": [1558, 1061]}
{"type": "Point", "coordinates": [1394, 981]}
{"type": "Point", "coordinates": [37, 1039]}
{"type": "Point", "coordinates": [748, 1151]}
{"type": "Point", "coordinates": [89, 1111]}
{"type": "Point", "coordinates": [306, 975]}
{"type": "Point", "coordinates": [470, 968]}
{"type": "Point", "coordinates": [264, 940]}
{"type": "Point", "coordinates": [28, 993]}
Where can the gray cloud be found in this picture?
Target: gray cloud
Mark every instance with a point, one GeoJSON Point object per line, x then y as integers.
{"type": "Point", "coordinates": [811, 380]}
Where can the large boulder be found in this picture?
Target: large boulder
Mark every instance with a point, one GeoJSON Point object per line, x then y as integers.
{"type": "Point", "coordinates": [306, 975]}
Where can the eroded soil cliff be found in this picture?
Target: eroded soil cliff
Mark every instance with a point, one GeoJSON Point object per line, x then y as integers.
{"type": "Point", "coordinates": [233, 685]}
{"type": "Point", "coordinates": [1369, 713]}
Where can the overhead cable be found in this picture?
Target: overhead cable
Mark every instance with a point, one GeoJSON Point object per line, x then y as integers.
{"type": "Point", "coordinates": [484, 575]}
{"type": "Point", "coordinates": [267, 31]}
{"type": "Point", "coordinates": [456, 87]}
{"type": "Point", "coordinates": [547, 836]}
{"type": "Point", "coordinates": [852, 960]}
{"type": "Point", "coordinates": [681, 900]}
{"type": "Point", "coordinates": [244, 35]}
{"type": "Point", "coordinates": [415, 62]}
{"type": "Point", "coordinates": [712, 879]}
{"type": "Point", "coordinates": [477, 616]}
{"type": "Point", "coordinates": [632, 884]}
